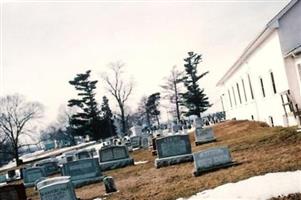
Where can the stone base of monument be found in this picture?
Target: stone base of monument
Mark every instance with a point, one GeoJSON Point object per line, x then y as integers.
{"type": "Point", "coordinates": [105, 166]}
{"type": "Point", "coordinates": [173, 160]}
{"type": "Point", "coordinates": [205, 141]}
{"type": "Point", "coordinates": [199, 172]}
{"type": "Point", "coordinates": [82, 182]}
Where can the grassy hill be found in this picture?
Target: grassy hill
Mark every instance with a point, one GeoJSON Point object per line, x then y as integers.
{"type": "Point", "coordinates": [258, 148]}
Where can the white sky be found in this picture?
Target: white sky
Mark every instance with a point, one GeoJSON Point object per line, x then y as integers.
{"type": "Point", "coordinates": [44, 44]}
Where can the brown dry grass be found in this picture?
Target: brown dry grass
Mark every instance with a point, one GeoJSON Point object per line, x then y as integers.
{"type": "Point", "coordinates": [258, 148]}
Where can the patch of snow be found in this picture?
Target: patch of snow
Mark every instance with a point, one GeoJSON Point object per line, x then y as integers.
{"type": "Point", "coordinates": [258, 187]}
{"type": "Point", "coordinates": [141, 162]}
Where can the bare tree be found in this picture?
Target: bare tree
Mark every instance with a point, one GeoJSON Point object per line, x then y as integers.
{"type": "Point", "coordinates": [16, 116]}
{"type": "Point", "coordinates": [171, 89]}
{"type": "Point", "coordinates": [119, 89]}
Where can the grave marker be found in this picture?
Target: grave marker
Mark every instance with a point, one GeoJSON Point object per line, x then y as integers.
{"type": "Point", "coordinates": [57, 190]}
{"type": "Point", "coordinates": [211, 159]}
{"type": "Point", "coordinates": [13, 192]}
{"type": "Point", "coordinates": [50, 166]}
{"type": "Point", "coordinates": [135, 141]}
{"type": "Point", "coordinates": [82, 172]}
{"type": "Point", "coordinates": [30, 175]}
{"type": "Point", "coordinates": [113, 157]}
{"type": "Point", "coordinates": [203, 135]}
{"type": "Point", "coordinates": [173, 150]}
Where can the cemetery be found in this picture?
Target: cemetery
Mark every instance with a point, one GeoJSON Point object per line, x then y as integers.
{"type": "Point", "coordinates": [213, 164]}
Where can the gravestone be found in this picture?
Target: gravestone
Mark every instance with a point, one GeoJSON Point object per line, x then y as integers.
{"type": "Point", "coordinates": [30, 175]}
{"type": "Point", "coordinates": [135, 141]}
{"type": "Point", "coordinates": [83, 154]}
{"type": "Point", "coordinates": [198, 122]}
{"type": "Point", "coordinates": [109, 183]}
{"type": "Point", "coordinates": [57, 190]}
{"type": "Point", "coordinates": [49, 181]}
{"type": "Point", "coordinates": [174, 128]}
{"type": "Point", "coordinates": [204, 135]}
{"type": "Point", "coordinates": [144, 142]}
{"type": "Point", "coordinates": [113, 157]}
{"type": "Point", "coordinates": [83, 172]}
{"type": "Point", "coordinates": [211, 159]}
{"type": "Point", "coordinates": [172, 150]}
{"type": "Point", "coordinates": [2, 178]}
{"type": "Point", "coordinates": [50, 166]}
{"type": "Point", "coordinates": [13, 192]}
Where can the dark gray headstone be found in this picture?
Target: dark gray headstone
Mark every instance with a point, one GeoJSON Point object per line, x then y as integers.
{"type": "Point", "coordinates": [111, 153]}
{"type": "Point", "coordinates": [83, 154]}
{"type": "Point", "coordinates": [112, 157]}
{"type": "Point", "coordinates": [83, 171]}
{"type": "Point", "coordinates": [2, 178]}
{"type": "Point", "coordinates": [210, 159]}
{"type": "Point", "coordinates": [50, 166]}
{"type": "Point", "coordinates": [135, 141]}
{"type": "Point", "coordinates": [204, 135]}
{"type": "Point", "coordinates": [144, 142]}
{"type": "Point", "coordinates": [13, 192]}
{"type": "Point", "coordinates": [174, 145]}
{"type": "Point", "coordinates": [30, 175]}
{"type": "Point", "coordinates": [172, 150]}
{"type": "Point", "coordinates": [109, 184]}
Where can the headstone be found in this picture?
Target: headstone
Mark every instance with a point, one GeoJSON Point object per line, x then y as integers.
{"type": "Point", "coordinates": [174, 128]}
{"type": "Point", "coordinates": [50, 166]}
{"type": "Point", "coordinates": [2, 178]}
{"type": "Point", "coordinates": [13, 192]}
{"type": "Point", "coordinates": [204, 135]}
{"type": "Point", "coordinates": [109, 184]}
{"type": "Point", "coordinates": [82, 172]}
{"type": "Point", "coordinates": [83, 154]}
{"type": "Point", "coordinates": [49, 181]}
{"type": "Point", "coordinates": [144, 142]}
{"type": "Point", "coordinates": [135, 141]}
{"type": "Point", "coordinates": [211, 159]}
{"type": "Point", "coordinates": [173, 150]}
{"type": "Point", "coordinates": [113, 157]}
{"type": "Point", "coordinates": [57, 190]}
{"type": "Point", "coordinates": [198, 122]}
{"type": "Point", "coordinates": [30, 175]}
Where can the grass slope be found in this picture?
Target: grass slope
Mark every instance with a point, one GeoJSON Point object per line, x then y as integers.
{"type": "Point", "coordinates": [259, 149]}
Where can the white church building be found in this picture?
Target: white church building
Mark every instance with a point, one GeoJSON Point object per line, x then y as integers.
{"type": "Point", "coordinates": [264, 84]}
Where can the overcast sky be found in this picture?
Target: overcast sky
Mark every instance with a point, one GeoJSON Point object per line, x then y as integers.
{"type": "Point", "coordinates": [44, 44]}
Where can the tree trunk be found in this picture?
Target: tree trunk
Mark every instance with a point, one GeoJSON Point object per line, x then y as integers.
{"type": "Point", "coordinates": [177, 101]}
{"type": "Point", "coordinates": [123, 122]}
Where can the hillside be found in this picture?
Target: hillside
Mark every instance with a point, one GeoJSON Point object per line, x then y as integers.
{"type": "Point", "coordinates": [259, 149]}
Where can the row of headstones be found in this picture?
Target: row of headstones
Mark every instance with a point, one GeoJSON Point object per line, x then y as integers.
{"type": "Point", "coordinates": [176, 149]}
{"type": "Point", "coordinates": [74, 174]}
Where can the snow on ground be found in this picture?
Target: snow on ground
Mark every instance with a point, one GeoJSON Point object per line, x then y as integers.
{"type": "Point", "coordinates": [140, 162]}
{"type": "Point", "coordinates": [255, 188]}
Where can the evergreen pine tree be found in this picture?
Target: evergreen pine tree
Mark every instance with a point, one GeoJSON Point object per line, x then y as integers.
{"type": "Point", "coordinates": [194, 99]}
{"type": "Point", "coordinates": [87, 120]}
{"type": "Point", "coordinates": [152, 105]}
{"type": "Point", "coordinates": [108, 129]}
